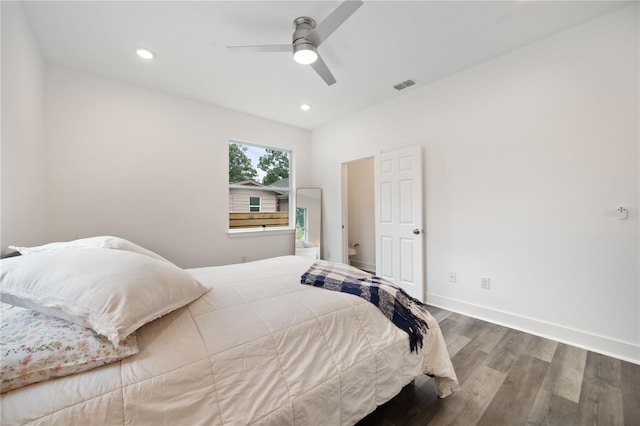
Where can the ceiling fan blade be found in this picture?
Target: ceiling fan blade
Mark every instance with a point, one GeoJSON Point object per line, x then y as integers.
{"type": "Point", "coordinates": [262, 48]}
{"type": "Point", "coordinates": [322, 69]}
{"type": "Point", "coordinates": [331, 23]}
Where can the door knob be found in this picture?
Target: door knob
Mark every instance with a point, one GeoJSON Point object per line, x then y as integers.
{"type": "Point", "coordinates": [416, 231]}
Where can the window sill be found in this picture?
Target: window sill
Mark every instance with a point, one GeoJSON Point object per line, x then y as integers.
{"type": "Point", "coordinates": [260, 232]}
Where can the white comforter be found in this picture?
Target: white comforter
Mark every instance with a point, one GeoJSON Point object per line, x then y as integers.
{"type": "Point", "coordinates": [260, 348]}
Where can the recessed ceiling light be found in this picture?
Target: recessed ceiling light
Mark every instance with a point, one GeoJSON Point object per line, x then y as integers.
{"type": "Point", "coordinates": [145, 54]}
{"type": "Point", "coordinates": [305, 107]}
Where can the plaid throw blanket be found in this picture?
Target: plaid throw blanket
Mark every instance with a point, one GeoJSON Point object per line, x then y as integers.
{"type": "Point", "coordinates": [403, 310]}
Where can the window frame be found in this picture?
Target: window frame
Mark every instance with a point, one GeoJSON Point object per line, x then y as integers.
{"type": "Point", "coordinates": [252, 206]}
{"type": "Point", "coordinates": [267, 230]}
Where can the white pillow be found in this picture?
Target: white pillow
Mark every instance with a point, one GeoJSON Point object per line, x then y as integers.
{"type": "Point", "coordinates": [92, 242]}
{"type": "Point", "coordinates": [114, 292]}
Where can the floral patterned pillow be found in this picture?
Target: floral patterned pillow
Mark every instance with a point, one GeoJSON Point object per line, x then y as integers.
{"type": "Point", "coordinates": [35, 347]}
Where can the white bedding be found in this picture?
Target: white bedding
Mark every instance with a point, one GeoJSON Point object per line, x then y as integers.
{"type": "Point", "coordinates": [260, 348]}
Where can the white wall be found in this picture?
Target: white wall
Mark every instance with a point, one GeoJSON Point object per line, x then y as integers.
{"type": "Point", "coordinates": [152, 168]}
{"type": "Point", "coordinates": [122, 160]}
{"type": "Point", "coordinates": [22, 147]}
{"type": "Point", "coordinates": [361, 218]}
{"type": "Point", "coordinates": [526, 158]}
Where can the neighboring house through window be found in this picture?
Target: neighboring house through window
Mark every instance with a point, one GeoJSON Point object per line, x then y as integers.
{"type": "Point", "coordinates": [259, 186]}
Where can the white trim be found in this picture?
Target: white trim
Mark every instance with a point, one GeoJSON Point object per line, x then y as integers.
{"type": "Point", "coordinates": [260, 232]}
{"type": "Point", "coordinates": [626, 351]}
{"type": "Point", "coordinates": [344, 256]}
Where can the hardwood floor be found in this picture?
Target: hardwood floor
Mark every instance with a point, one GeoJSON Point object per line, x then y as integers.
{"type": "Point", "coordinates": [508, 377]}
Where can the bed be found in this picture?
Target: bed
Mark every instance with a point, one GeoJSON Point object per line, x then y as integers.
{"type": "Point", "coordinates": [256, 347]}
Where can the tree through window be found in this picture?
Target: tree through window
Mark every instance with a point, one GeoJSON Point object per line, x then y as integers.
{"type": "Point", "coordinates": [259, 186]}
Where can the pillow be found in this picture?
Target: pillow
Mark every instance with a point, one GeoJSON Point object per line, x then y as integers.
{"type": "Point", "coordinates": [92, 242]}
{"type": "Point", "coordinates": [10, 254]}
{"type": "Point", "coordinates": [37, 347]}
{"type": "Point", "coordinates": [114, 292]}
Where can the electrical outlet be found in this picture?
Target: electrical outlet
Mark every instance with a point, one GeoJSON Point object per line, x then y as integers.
{"type": "Point", "coordinates": [622, 212]}
{"type": "Point", "coordinates": [243, 259]}
{"type": "Point", "coordinates": [485, 283]}
{"type": "Point", "coordinates": [452, 277]}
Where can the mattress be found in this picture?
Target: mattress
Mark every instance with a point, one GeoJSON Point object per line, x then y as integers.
{"type": "Point", "coordinates": [259, 348]}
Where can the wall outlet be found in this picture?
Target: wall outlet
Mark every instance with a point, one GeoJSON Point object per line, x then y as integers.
{"type": "Point", "coordinates": [243, 259]}
{"type": "Point", "coordinates": [622, 212]}
{"type": "Point", "coordinates": [452, 277]}
{"type": "Point", "coordinates": [485, 283]}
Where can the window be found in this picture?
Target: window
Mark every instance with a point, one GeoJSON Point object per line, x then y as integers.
{"type": "Point", "coordinates": [301, 224]}
{"type": "Point", "coordinates": [259, 186]}
{"type": "Point", "coordinates": [254, 204]}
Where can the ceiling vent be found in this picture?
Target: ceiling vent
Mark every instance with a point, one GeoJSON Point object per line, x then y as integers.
{"type": "Point", "coordinates": [404, 84]}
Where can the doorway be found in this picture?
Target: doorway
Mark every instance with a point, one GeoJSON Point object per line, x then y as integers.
{"type": "Point", "coordinates": [359, 248]}
{"type": "Point", "coordinates": [387, 187]}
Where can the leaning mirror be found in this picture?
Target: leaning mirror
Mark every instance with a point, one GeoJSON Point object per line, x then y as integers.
{"type": "Point", "coordinates": [308, 222]}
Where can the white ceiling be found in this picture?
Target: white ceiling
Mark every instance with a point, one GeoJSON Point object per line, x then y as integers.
{"type": "Point", "coordinates": [382, 44]}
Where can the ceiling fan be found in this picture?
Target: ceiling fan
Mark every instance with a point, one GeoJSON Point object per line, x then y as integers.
{"type": "Point", "coordinates": [307, 37]}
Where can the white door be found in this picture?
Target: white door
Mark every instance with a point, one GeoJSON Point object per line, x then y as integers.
{"type": "Point", "coordinates": [398, 211]}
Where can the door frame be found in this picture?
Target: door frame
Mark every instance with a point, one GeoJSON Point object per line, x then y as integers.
{"type": "Point", "coordinates": [345, 213]}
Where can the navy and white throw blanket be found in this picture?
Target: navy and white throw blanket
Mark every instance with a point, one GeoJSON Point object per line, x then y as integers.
{"type": "Point", "coordinates": [403, 310]}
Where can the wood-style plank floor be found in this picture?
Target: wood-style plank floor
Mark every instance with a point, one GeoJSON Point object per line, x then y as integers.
{"type": "Point", "coordinates": [508, 377]}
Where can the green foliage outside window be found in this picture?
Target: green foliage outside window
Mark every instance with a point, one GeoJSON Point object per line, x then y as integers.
{"type": "Point", "coordinates": [301, 223]}
{"type": "Point", "coordinates": [275, 164]}
{"type": "Point", "coordinates": [266, 166]}
{"type": "Point", "coordinates": [240, 168]}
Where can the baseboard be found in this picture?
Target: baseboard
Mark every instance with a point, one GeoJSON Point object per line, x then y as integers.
{"type": "Point", "coordinates": [626, 351]}
{"type": "Point", "coordinates": [370, 267]}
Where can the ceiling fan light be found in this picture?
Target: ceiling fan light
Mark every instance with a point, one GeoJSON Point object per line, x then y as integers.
{"type": "Point", "coordinates": [304, 53]}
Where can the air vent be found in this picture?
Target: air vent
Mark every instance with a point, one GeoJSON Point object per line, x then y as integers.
{"type": "Point", "coordinates": [404, 84]}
